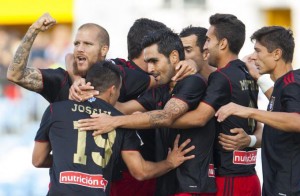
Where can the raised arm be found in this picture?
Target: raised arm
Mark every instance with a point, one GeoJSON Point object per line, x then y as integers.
{"type": "Point", "coordinates": [18, 71]}
{"type": "Point", "coordinates": [143, 170]}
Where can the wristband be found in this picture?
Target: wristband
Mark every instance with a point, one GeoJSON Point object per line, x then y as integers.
{"type": "Point", "coordinates": [252, 140]}
{"type": "Point", "coordinates": [265, 82]}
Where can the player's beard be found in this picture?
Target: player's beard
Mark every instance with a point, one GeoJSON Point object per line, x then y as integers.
{"type": "Point", "coordinates": [78, 72]}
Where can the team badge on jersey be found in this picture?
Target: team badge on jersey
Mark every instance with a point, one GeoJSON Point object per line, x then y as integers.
{"type": "Point", "coordinates": [271, 104]}
{"type": "Point", "coordinates": [91, 99]}
{"type": "Point", "coordinates": [211, 171]}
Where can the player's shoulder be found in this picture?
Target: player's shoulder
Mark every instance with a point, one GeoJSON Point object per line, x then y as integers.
{"type": "Point", "coordinates": [292, 77]}
{"type": "Point", "coordinates": [55, 70]}
{"type": "Point", "coordinates": [193, 78]}
{"type": "Point", "coordinates": [59, 105]}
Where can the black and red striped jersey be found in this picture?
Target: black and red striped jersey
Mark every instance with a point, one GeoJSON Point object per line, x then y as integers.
{"type": "Point", "coordinates": [56, 84]}
{"type": "Point", "coordinates": [134, 80]}
{"type": "Point", "coordinates": [233, 84]}
{"type": "Point", "coordinates": [196, 175]}
{"type": "Point", "coordinates": [82, 164]}
{"type": "Point", "coordinates": [281, 150]}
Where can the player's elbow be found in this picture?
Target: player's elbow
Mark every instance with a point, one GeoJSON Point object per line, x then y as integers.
{"type": "Point", "coordinates": [196, 122]}
{"type": "Point", "coordinates": [38, 162]}
{"type": "Point", "coordinates": [167, 123]}
{"type": "Point", "coordinates": [199, 123]}
{"type": "Point", "coordinates": [13, 77]}
{"type": "Point", "coordinates": [139, 175]}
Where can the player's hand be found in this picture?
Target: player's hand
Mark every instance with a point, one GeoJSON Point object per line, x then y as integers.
{"type": "Point", "coordinates": [231, 109]}
{"type": "Point", "coordinates": [81, 91]}
{"type": "Point", "coordinates": [44, 23]}
{"type": "Point", "coordinates": [70, 63]}
{"type": "Point", "coordinates": [250, 64]}
{"type": "Point", "coordinates": [238, 141]}
{"type": "Point", "coordinates": [176, 156]}
{"type": "Point", "coordinates": [185, 68]}
{"type": "Point", "coordinates": [99, 123]}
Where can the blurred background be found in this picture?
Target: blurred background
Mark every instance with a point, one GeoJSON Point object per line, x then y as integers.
{"type": "Point", "coordinates": [21, 110]}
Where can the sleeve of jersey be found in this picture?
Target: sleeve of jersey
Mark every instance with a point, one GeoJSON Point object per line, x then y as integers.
{"type": "Point", "coordinates": [53, 79]}
{"type": "Point", "coordinates": [290, 98]}
{"type": "Point", "coordinates": [131, 141]}
{"type": "Point", "coordinates": [218, 92]}
{"type": "Point", "coordinates": [42, 134]}
{"type": "Point", "coordinates": [135, 82]}
{"type": "Point", "coordinates": [147, 100]}
{"type": "Point", "coordinates": [190, 90]}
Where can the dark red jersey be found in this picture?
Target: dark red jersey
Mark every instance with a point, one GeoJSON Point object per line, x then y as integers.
{"type": "Point", "coordinates": [56, 84]}
{"type": "Point", "coordinates": [196, 175]}
{"type": "Point", "coordinates": [281, 150]}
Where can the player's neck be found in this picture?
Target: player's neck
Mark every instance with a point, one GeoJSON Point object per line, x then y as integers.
{"type": "Point", "coordinates": [105, 97]}
{"type": "Point", "coordinates": [141, 63]}
{"type": "Point", "coordinates": [280, 70]}
{"type": "Point", "coordinates": [207, 70]}
{"type": "Point", "coordinates": [224, 60]}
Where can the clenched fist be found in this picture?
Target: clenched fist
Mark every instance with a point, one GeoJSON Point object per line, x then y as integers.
{"type": "Point", "coordinates": [44, 22]}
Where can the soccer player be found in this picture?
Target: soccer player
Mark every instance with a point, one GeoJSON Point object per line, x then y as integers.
{"type": "Point", "coordinates": [91, 44]}
{"type": "Point", "coordinates": [163, 49]}
{"type": "Point", "coordinates": [82, 164]}
{"type": "Point", "coordinates": [273, 54]}
{"type": "Point", "coordinates": [140, 28]}
{"type": "Point", "coordinates": [193, 40]}
{"type": "Point", "coordinates": [230, 83]}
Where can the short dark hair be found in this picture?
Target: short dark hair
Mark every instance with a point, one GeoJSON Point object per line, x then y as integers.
{"type": "Point", "coordinates": [102, 75]}
{"type": "Point", "coordinates": [166, 40]}
{"type": "Point", "coordinates": [103, 35]}
{"type": "Point", "coordinates": [230, 27]}
{"type": "Point", "coordinates": [199, 32]}
{"type": "Point", "coordinates": [273, 37]}
{"type": "Point", "coordinates": [137, 31]}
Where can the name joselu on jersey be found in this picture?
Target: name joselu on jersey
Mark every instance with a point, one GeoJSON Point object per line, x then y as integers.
{"type": "Point", "coordinates": [88, 109]}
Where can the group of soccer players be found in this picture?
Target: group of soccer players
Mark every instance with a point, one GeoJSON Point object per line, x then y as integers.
{"type": "Point", "coordinates": [173, 97]}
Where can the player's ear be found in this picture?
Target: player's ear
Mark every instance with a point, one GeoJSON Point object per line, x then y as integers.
{"type": "Point", "coordinates": [223, 44]}
{"type": "Point", "coordinates": [174, 57]}
{"type": "Point", "coordinates": [277, 54]}
{"type": "Point", "coordinates": [104, 51]}
{"type": "Point", "coordinates": [205, 55]}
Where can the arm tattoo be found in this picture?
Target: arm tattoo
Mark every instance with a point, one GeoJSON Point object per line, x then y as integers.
{"type": "Point", "coordinates": [18, 70]}
{"type": "Point", "coordinates": [32, 80]}
{"type": "Point", "coordinates": [173, 110]}
{"type": "Point", "coordinates": [156, 119]}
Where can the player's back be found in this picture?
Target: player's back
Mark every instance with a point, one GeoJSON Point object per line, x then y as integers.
{"type": "Point", "coordinates": [82, 164]}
